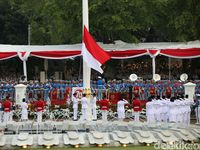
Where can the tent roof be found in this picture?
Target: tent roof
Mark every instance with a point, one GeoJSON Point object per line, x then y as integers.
{"type": "Point", "coordinates": [119, 45]}
{"type": "Point", "coordinates": [119, 50]}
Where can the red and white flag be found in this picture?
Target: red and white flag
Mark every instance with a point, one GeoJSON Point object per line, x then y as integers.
{"type": "Point", "coordinates": [92, 53]}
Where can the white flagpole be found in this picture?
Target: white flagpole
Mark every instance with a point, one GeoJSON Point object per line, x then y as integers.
{"type": "Point", "coordinates": [86, 69]}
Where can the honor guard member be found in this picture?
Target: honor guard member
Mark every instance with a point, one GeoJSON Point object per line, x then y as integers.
{"type": "Point", "coordinates": [75, 106]}
{"type": "Point", "coordinates": [172, 110]}
{"type": "Point", "coordinates": [150, 111]}
{"type": "Point", "coordinates": [39, 108]}
{"type": "Point", "coordinates": [84, 106]}
{"type": "Point", "coordinates": [94, 106]}
{"type": "Point", "coordinates": [137, 108]}
{"type": "Point", "coordinates": [104, 106]}
{"type": "Point", "coordinates": [189, 103]}
{"type": "Point", "coordinates": [24, 112]}
{"type": "Point", "coordinates": [197, 108]}
{"type": "Point", "coordinates": [120, 108]}
{"type": "Point", "coordinates": [7, 107]}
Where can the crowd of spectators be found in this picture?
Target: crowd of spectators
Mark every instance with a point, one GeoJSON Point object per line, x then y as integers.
{"type": "Point", "coordinates": [113, 69]}
{"type": "Point", "coordinates": [143, 68]}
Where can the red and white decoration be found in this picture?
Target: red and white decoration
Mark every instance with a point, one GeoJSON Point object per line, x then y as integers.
{"type": "Point", "coordinates": [119, 50]}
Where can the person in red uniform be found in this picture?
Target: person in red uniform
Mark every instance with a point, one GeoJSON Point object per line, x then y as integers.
{"type": "Point", "coordinates": [152, 91]}
{"type": "Point", "coordinates": [7, 108]}
{"type": "Point", "coordinates": [54, 94]}
{"type": "Point", "coordinates": [104, 106]}
{"type": "Point", "coordinates": [39, 105]}
{"type": "Point", "coordinates": [168, 91]}
{"type": "Point", "coordinates": [136, 91]}
{"type": "Point", "coordinates": [137, 108]}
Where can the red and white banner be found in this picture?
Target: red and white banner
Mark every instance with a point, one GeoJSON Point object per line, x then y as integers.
{"type": "Point", "coordinates": [7, 55]}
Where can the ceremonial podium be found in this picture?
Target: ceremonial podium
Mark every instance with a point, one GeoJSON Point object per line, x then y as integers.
{"type": "Point", "coordinates": [20, 93]}
{"type": "Point", "coordinates": [190, 89]}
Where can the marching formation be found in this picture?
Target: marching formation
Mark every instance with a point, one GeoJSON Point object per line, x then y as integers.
{"type": "Point", "coordinates": [177, 110]}
{"type": "Point", "coordinates": [172, 109]}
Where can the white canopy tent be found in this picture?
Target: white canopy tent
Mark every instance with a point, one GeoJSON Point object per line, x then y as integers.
{"type": "Point", "coordinates": [119, 50]}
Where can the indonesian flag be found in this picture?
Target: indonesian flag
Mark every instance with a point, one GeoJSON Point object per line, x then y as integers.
{"type": "Point", "coordinates": [92, 53]}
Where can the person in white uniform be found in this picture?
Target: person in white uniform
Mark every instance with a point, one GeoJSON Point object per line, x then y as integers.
{"type": "Point", "coordinates": [94, 106]}
{"type": "Point", "coordinates": [158, 110]}
{"type": "Point", "coordinates": [150, 111]}
{"type": "Point", "coordinates": [172, 110]}
{"type": "Point", "coordinates": [166, 109]}
{"type": "Point", "coordinates": [75, 106]}
{"type": "Point", "coordinates": [120, 108]}
{"type": "Point", "coordinates": [189, 103]}
{"type": "Point", "coordinates": [24, 112]}
{"type": "Point", "coordinates": [84, 104]}
{"type": "Point", "coordinates": [178, 110]}
{"type": "Point", "coordinates": [197, 108]}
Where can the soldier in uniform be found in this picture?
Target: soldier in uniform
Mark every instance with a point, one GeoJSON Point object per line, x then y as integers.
{"type": "Point", "coordinates": [84, 104]}
{"type": "Point", "coordinates": [104, 106]}
{"type": "Point", "coordinates": [94, 106]}
{"type": "Point", "coordinates": [189, 103]}
{"type": "Point", "coordinates": [137, 108]}
{"type": "Point", "coordinates": [39, 108]}
{"type": "Point", "coordinates": [120, 108]}
{"type": "Point", "coordinates": [150, 111]}
{"type": "Point", "coordinates": [172, 110]}
{"type": "Point", "coordinates": [75, 106]}
{"type": "Point", "coordinates": [7, 108]}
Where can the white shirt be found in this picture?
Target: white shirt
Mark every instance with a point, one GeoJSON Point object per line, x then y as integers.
{"type": "Point", "coordinates": [84, 102]}
{"type": "Point", "coordinates": [24, 106]}
{"type": "Point", "coordinates": [120, 105]}
{"type": "Point", "coordinates": [75, 102]}
{"type": "Point", "coordinates": [150, 108]}
{"type": "Point", "coordinates": [93, 102]}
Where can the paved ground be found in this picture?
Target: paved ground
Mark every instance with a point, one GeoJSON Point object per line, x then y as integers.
{"type": "Point", "coordinates": [105, 148]}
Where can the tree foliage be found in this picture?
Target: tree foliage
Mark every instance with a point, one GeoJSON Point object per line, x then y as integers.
{"type": "Point", "coordinates": [60, 21]}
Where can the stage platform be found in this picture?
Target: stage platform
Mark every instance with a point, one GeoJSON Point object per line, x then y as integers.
{"type": "Point", "coordinates": [94, 133]}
